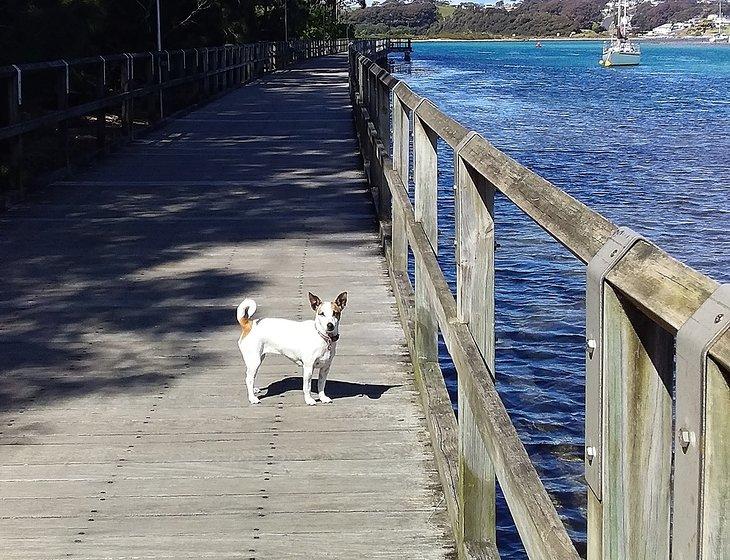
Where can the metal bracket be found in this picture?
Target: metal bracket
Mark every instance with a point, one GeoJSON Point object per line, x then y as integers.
{"type": "Point", "coordinates": [20, 84]}
{"type": "Point", "coordinates": [694, 340]}
{"type": "Point", "coordinates": [599, 267]}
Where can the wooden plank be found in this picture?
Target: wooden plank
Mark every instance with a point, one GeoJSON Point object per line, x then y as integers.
{"type": "Point", "coordinates": [101, 113]}
{"type": "Point", "coordinates": [153, 82]}
{"type": "Point", "coordinates": [401, 149]}
{"type": "Point", "coordinates": [715, 537]}
{"type": "Point", "coordinates": [638, 363]}
{"type": "Point", "coordinates": [475, 257]}
{"type": "Point", "coordinates": [127, 113]}
{"type": "Point", "coordinates": [12, 116]}
{"type": "Point", "coordinates": [541, 531]}
{"type": "Point", "coordinates": [62, 104]}
{"type": "Point", "coordinates": [425, 177]}
{"type": "Point", "coordinates": [440, 418]}
{"type": "Point", "coordinates": [475, 307]}
{"type": "Point", "coordinates": [132, 383]}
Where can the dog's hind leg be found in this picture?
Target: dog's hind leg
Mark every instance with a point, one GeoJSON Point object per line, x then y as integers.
{"type": "Point", "coordinates": [253, 361]}
{"type": "Point", "coordinates": [322, 381]}
{"type": "Point", "coordinates": [307, 384]}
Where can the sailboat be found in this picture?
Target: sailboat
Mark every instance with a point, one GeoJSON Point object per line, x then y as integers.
{"type": "Point", "coordinates": [621, 51]}
{"type": "Point", "coordinates": [720, 37]}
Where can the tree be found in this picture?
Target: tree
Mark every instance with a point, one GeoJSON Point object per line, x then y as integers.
{"type": "Point", "coordinates": [51, 29]}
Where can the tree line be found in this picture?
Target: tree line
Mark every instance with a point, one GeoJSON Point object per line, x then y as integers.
{"type": "Point", "coordinates": [529, 18]}
{"type": "Point", "coordinates": [33, 30]}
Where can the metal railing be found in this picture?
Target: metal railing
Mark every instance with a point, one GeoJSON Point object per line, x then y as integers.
{"type": "Point", "coordinates": [61, 110]}
{"type": "Point", "coordinates": [657, 452]}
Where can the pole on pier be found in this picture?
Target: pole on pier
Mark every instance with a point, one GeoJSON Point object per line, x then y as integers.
{"type": "Point", "coordinates": [286, 20]}
{"type": "Point", "coordinates": [474, 201]}
{"type": "Point", "coordinates": [159, 28]}
{"type": "Point", "coordinates": [159, 60]}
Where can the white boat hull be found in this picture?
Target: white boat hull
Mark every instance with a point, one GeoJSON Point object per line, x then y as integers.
{"type": "Point", "coordinates": [614, 58]}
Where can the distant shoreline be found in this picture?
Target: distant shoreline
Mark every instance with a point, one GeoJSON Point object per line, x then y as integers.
{"type": "Point", "coordinates": [693, 40]}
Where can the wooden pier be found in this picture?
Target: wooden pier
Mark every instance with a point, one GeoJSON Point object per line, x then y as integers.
{"type": "Point", "coordinates": [124, 427]}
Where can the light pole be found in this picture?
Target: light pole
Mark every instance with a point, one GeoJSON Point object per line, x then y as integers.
{"type": "Point", "coordinates": [159, 61]}
{"type": "Point", "coordinates": [286, 21]}
{"type": "Point", "coordinates": [159, 33]}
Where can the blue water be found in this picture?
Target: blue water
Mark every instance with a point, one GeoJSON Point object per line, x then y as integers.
{"type": "Point", "coordinates": [647, 147]}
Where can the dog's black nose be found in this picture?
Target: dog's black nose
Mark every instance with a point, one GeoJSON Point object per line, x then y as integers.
{"type": "Point", "coordinates": [330, 326]}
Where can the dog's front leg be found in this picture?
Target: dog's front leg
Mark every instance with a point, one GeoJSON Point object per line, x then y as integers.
{"type": "Point", "coordinates": [322, 381]}
{"type": "Point", "coordinates": [307, 384]}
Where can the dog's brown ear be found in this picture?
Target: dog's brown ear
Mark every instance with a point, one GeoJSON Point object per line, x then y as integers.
{"type": "Point", "coordinates": [314, 301]}
{"type": "Point", "coordinates": [341, 300]}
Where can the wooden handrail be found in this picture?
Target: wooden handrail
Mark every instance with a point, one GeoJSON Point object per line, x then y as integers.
{"type": "Point", "coordinates": [122, 80]}
{"type": "Point", "coordinates": [649, 296]}
{"type": "Point", "coordinates": [668, 291]}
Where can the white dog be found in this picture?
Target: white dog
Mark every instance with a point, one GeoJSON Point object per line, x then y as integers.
{"type": "Point", "coordinates": [309, 344]}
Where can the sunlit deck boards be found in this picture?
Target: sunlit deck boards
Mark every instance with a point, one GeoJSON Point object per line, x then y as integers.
{"type": "Point", "coordinates": [124, 428]}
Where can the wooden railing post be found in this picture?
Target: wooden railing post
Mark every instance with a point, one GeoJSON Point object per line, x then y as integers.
{"type": "Point", "coordinates": [474, 201]}
{"type": "Point", "coordinates": [228, 61]}
{"type": "Point", "coordinates": [152, 97]}
{"type": "Point", "coordinates": [700, 490]}
{"type": "Point", "coordinates": [217, 78]}
{"type": "Point", "coordinates": [101, 113]}
{"type": "Point", "coordinates": [12, 110]}
{"type": "Point", "coordinates": [401, 147]}
{"type": "Point", "coordinates": [426, 184]}
{"type": "Point", "coordinates": [425, 175]}
{"type": "Point", "coordinates": [62, 86]}
{"type": "Point", "coordinates": [239, 66]}
{"type": "Point", "coordinates": [383, 101]}
{"type": "Point", "coordinates": [127, 104]}
{"type": "Point", "coordinates": [205, 60]}
{"type": "Point", "coordinates": [361, 85]}
{"type": "Point", "coordinates": [628, 419]}
{"type": "Point", "coordinates": [244, 64]}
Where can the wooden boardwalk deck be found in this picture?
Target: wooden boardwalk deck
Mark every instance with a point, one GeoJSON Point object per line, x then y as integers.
{"type": "Point", "coordinates": [124, 429]}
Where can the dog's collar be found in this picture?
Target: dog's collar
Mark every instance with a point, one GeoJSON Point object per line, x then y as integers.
{"type": "Point", "coordinates": [327, 338]}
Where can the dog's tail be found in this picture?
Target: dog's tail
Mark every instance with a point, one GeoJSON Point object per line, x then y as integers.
{"type": "Point", "coordinates": [245, 311]}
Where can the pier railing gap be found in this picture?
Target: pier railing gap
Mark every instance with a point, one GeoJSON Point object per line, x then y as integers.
{"type": "Point", "coordinates": [55, 113]}
{"type": "Point", "coordinates": [657, 452]}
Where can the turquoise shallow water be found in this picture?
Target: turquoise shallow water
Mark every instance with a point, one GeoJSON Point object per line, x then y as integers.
{"type": "Point", "coordinates": [648, 147]}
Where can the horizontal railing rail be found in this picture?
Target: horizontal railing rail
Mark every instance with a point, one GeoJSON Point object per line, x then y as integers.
{"type": "Point", "coordinates": [101, 100]}
{"type": "Point", "coordinates": [655, 470]}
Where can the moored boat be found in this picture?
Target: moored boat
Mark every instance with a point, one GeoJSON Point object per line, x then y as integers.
{"type": "Point", "coordinates": [621, 51]}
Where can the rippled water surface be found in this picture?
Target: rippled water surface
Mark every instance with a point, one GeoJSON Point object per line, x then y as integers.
{"type": "Point", "coordinates": [647, 147]}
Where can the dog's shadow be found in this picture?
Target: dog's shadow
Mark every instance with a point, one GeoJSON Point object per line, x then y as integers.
{"type": "Point", "coordinates": [335, 389]}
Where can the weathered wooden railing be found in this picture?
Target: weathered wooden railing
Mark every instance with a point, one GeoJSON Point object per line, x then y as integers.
{"type": "Point", "coordinates": [79, 107]}
{"type": "Point", "coordinates": [657, 475]}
